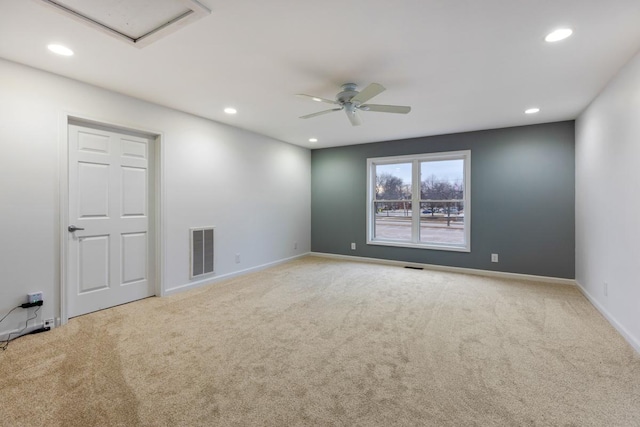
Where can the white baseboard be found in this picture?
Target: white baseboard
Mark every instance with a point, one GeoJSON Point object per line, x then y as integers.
{"type": "Point", "coordinates": [213, 279]}
{"type": "Point", "coordinates": [632, 340]}
{"type": "Point", "coordinates": [14, 333]}
{"type": "Point", "coordinates": [477, 272]}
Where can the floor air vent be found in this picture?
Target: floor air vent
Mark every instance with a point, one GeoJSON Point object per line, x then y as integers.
{"type": "Point", "coordinates": [201, 251]}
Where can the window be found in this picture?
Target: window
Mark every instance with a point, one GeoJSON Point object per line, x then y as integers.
{"type": "Point", "coordinates": [420, 201]}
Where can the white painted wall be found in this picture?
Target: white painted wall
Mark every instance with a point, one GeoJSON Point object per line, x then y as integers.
{"type": "Point", "coordinates": [608, 201]}
{"type": "Point", "coordinates": [254, 189]}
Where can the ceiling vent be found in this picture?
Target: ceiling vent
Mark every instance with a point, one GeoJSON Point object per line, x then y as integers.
{"type": "Point", "coordinates": [137, 22]}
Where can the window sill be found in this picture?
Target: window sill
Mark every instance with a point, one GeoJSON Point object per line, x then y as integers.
{"type": "Point", "coordinates": [431, 246]}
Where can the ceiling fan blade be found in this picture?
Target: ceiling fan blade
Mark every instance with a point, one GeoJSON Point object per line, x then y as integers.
{"type": "Point", "coordinates": [317, 98]}
{"type": "Point", "coordinates": [367, 93]}
{"type": "Point", "coordinates": [399, 109]}
{"type": "Point", "coordinates": [308, 116]}
{"type": "Point", "coordinates": [354, 118]}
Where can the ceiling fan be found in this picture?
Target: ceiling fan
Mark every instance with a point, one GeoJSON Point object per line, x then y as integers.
{"type": "Point", "coordinates": [351, 101]}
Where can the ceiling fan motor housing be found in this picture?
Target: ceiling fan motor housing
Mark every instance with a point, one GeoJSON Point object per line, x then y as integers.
{"type": "Point", "coordinates": [348, 92]}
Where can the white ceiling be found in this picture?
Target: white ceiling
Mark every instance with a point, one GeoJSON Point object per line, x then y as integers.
{"type": "Point", "coordinates": [461, 64]}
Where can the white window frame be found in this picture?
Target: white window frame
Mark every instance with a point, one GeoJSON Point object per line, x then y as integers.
{"type": "Point", "coordinates": [416, 159]}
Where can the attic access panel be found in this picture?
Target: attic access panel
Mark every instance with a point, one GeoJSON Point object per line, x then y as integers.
{"type": "Point", "coordinates": [138, 22]}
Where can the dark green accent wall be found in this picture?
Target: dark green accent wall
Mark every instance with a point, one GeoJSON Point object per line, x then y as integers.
{"type": "Point", "coordinates": [522, 199]}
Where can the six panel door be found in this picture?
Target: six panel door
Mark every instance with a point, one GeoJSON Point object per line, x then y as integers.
{"type": "Point", "coordinates": [109, 203]}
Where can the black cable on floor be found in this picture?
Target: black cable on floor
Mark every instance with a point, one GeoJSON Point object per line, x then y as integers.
{"type": "Point", "coordinates": [5, 343]}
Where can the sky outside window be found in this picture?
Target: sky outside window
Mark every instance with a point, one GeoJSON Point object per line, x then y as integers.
{"type": "Point", "coordinates": [445, 170]}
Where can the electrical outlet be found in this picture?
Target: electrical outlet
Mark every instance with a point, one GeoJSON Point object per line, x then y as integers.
{"type": "Point", "coordinates": [34, 296]}
{"type": "Point", "coordinates": [295, 245]}
{"type": "Point", "coordinates": [353, 246]}
{"type": "Point", "coordinates": [237, 258]}
{"type": "Point", "coordinates": [494, 257]}
{"type": "Point", "coordinates": [606, 289]}
{"type": "Point", "coordinates": [49, 323]}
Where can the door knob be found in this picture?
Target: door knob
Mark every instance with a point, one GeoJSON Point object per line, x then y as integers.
{"type": "Point", "coordinates": [73, 228]}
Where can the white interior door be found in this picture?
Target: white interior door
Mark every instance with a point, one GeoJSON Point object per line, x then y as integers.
{"type": "Point", "coordinates": [110, 201]}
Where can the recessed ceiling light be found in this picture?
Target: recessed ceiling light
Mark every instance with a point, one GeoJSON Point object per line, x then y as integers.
{"type": "Point", "coordinates": [230, 110]}
{"type": "Point", "coordinates": [317, 99]}
{"type": "Point", "coordinates": [313, 139]}
{"type": "Point", "coordinates": [558, 35]}
{"type": "Point", "coordinates": [531, 110]}
{"type": "Point", "coordinates": [60, 50]}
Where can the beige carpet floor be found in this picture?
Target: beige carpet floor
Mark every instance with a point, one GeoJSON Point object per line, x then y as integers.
{"type": "Point", "coordinates": [330, 343]}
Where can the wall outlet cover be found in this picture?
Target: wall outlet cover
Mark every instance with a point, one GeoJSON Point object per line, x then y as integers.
{"type": "Point", "coordinates": [494, 257]}
{"type": "Point", "coordinates": [34, 296]}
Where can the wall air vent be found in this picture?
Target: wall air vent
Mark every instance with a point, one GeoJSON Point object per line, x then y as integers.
{"type": "Point", "coordinates": [137, 22]}
{"type": "Point", "coordinates": [202, 249]}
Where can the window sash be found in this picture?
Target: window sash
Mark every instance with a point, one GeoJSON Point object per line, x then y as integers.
{"type": "Point", "coordinates": [417, 201]}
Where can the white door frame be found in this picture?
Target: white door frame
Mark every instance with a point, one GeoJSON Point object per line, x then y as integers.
{"type": "Point", "coordinates": [63, 217]}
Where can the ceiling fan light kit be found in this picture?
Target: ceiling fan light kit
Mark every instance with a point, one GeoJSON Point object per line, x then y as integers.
{"type": "Point", "coordinates": [351, 101]}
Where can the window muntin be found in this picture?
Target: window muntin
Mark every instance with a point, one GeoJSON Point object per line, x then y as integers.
{"type": "Point", "coordinates": [437, 183]}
